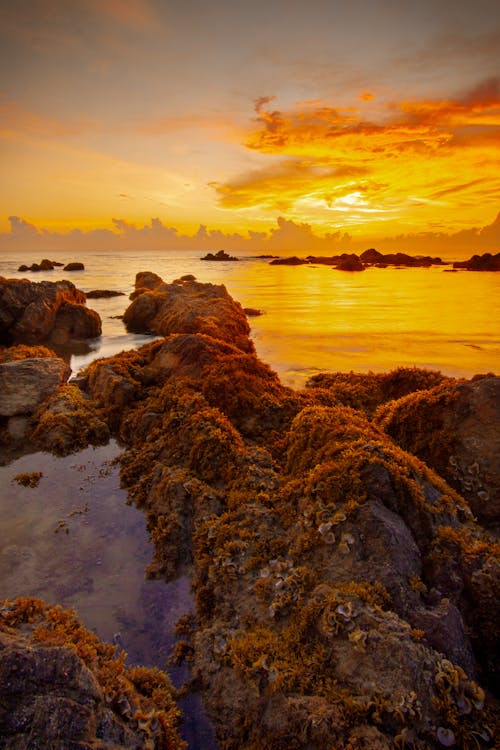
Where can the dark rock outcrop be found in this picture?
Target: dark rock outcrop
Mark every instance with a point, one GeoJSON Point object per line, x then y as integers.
{"type": "Point", "coordinates": [103, 294]}
{"type": "Point", "coordinates": [351, 263]}
{"type": "Point", "coordinates": [220, 255]}
{"type": "Point", "coordinates": [61, 688]}
{"type": "Point", "coordinates": [292, 261]}
{"type": "Point", "coordinates": [32, 313]}
{"type": "Point", "coordinates": [485, 262]}
{"type": "Point", "coordinates": [74, 266]}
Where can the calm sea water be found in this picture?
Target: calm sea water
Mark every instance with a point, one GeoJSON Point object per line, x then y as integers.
{"type": "Point", "coordinates": [315, 318]}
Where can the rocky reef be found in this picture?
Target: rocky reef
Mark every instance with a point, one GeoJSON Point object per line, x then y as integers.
{"type": "Point", "coordinates": [353, 262]}
{"type": "Point", "coordinates": [346, 584]}
{"type": "Point", "coordinates": [48, 312]}
{"type": "Point", "coordinates": [485, 262]}
{"type": "Point", "coordinates": [61, 687]}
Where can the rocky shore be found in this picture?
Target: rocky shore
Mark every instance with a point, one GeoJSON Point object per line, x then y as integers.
{"type": "Point", "coordinates": [342, 540]}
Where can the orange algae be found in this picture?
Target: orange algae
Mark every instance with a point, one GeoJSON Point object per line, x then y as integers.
{"type": "Point", "coordinates": [148, 695]}
{"type": "Point", "coordinates": [67, 422]}
{"type": "Point", "coordinates": [31, 479]}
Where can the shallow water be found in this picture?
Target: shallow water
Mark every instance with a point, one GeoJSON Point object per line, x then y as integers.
{"type": "Point", "coordinates": [315, 318]}
{"type": "Point", "coordinates": [73, 540]}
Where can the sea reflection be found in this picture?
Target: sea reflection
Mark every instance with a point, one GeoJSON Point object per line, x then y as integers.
{"type": "Point", "coordinates": [74, 541]}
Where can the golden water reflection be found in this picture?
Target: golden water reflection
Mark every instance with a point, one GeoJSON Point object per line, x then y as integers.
{"type": "Point", "coordinates": [319, 319]}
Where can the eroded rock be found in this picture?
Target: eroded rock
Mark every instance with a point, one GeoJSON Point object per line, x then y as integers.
{"type": "Point", "coordinates": [34, 313]}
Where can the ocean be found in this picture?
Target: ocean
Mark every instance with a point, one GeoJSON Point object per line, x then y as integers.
{"type": "Point", "coordinates": [314, 318]}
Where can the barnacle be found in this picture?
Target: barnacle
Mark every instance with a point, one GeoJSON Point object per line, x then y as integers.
{"type": "Point", "coordinates": [445, 736]}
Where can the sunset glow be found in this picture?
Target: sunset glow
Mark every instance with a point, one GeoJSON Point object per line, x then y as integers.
{"type": "Point", "coordinates": [377, 122]}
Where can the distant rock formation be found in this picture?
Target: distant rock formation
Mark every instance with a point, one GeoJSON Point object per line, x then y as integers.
{"type": "Point", "coordinates": [221, 255]}
{"type": "Point", "coordinates": [485, 262]}
{"type": "Point", "coordinates": [44, 312]}
{"type": "Point", "coordinates": [76, 266]}
{"type": "Point", "coordinates": [103, 294]}
{"type": "Point", "coordinates": [353, 262]}
{"type": "Point", "coordinates": [292, 261]}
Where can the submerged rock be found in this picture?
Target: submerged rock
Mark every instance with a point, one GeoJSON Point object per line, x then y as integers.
{"type": "Point", "coordinates": [61, 687]}
{"type": "Point", "coordinates": [75, 266]}
{"type": "Point", "coordinates": [52, 312]}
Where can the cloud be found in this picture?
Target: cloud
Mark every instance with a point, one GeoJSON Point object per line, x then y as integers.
{"type": "Point", "coordinates": [286, 236]}
{"type": "Point", "coordinates": [280, 185]}
{"type": "Point", "coordinates": [372, 159]}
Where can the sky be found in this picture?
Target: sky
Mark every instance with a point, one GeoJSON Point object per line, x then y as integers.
{"type": "Point", "coordinates": [326, 125]}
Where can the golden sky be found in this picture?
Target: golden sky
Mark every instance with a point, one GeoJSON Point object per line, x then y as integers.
{"type": "Point", "coordinates": [363, 120]}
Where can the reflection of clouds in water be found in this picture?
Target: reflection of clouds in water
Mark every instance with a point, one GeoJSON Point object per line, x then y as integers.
{"type": "Point", "coordinates": [73, 540]}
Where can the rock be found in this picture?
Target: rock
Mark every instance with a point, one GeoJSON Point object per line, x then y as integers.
{"type": "Point", "coordinates": [46, 265]}
{"type": "Point", "coordinates": [76, 266]}
{"type": "Point", "coordinates": [351, 263]}
{"type": "Point", "coordinates": [60, 687]}
{"type": "Point", "coordinates": [454, 428]}
{"type": "Point", "coordinates": [252, 312]}
{"type": "Point", "coordinates": [485, 262]}
{"type": "Point", "coordinates": [103, 293]}
{"type": "Point", "coordinates": [44, 312]}
{"type": "Point", "coordinates": [372, 256]}
{"type": "Point", "coordinates": [22, 268]}
{"type": "Point", "coordinates": [67, 422]}
{"type": "Point", "coordinates": [25, 384]}
{"type": "Point", "coordinates": [293, 261]}
{"type": "Point", "coordinates": [190, 307]}
{"type": "Point", "coordinates": [221, 255]}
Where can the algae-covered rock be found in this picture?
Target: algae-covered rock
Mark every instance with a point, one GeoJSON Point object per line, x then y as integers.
{"type": "Point", "coordinates": [455, 429]}
{"type": "Point", "coordinates": [61, 687]}
{"type": "Point", "coordinates": [187, 307]}
{"type": "Point", "coordinates": [67, 422]}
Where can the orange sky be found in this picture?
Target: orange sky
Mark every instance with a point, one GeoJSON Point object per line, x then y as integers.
{"type": "Point", "coordinates": [364, 122]}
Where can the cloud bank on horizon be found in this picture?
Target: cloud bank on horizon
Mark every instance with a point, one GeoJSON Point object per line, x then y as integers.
{"type": "Point", "coordinates": [359, 122]}
{"type": "Point", "coordinates": [286, 237]}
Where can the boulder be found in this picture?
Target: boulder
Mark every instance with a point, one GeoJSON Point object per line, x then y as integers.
{"type": "Point", "coordinates": [32, 313]}
{"type": "Point", "coordinates": [75, 266]}
{"type": "Point", "coordinates": [26, 383]}
{"type": "Point", "coordinates": [454, 428]}
{"type": "Point", "coordinates": [187, 307]}
{"type": "Point", "coordinates": [61, 687]}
